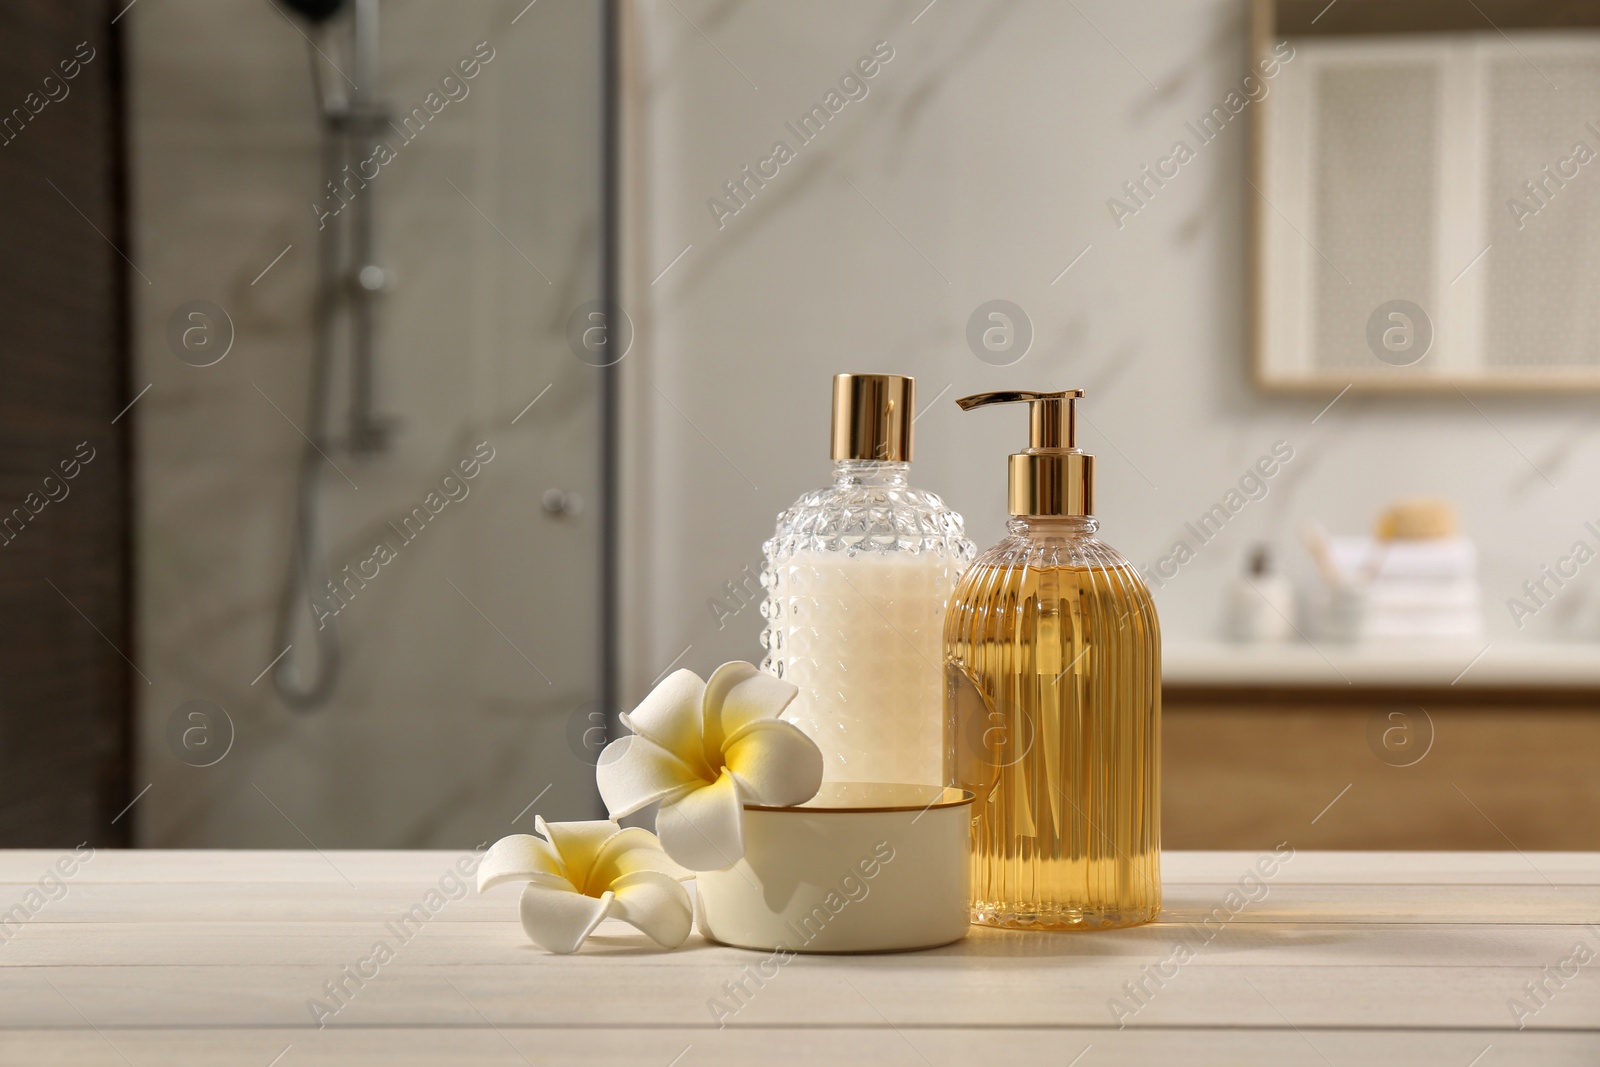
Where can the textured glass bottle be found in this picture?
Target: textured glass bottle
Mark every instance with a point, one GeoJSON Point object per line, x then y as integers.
{"type": "Point", "coordinates": [857, 578]}
{"type": "Point", "coordinates": [1053, 670]}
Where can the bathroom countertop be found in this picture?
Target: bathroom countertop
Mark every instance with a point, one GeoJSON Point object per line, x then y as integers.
{"type": "Point", "coordinates": [1463, 665]}
{"type": "Point", "coordinates": [1343, 958]}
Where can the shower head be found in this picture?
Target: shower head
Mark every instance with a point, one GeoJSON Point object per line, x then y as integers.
{"type": "Point", "coordinates": [317, 10]}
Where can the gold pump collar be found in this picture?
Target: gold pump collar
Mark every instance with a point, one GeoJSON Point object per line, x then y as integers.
{"type": "Point", "coordinates": [872, 416]}
{"type": "Point", "coordinates": [1052, 477]}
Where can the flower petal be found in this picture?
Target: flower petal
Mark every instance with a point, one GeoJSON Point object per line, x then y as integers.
{"type": "Point", "coordinates": [700, 912]}
{"type": "Point", "coordinates": [669, 715]}
{"type": "Point", "coordinates": [635, 850]}
{"type": "Point", "coordinates": [704, 829]}
{"type": "Point", "coordinates": [737, 695]}
{"type": "Point", "coordinates": [559, 920]}
{"type": "Point", "coordinates": [775, 763]}
{"type": "Point", "coordinates": [657, 905]}
{"type": "Point", "coordinates": [520, 858]}
{"type": "Point", "coordinates": [577, 844]}
{"type": "Point", "coordinates": [635, 771]}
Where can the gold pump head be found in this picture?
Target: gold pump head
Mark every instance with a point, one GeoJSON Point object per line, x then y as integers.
{"type": "Point", "coordinates": [1052, 477]}
{"type": "Point", "coordinates": [872, 416]}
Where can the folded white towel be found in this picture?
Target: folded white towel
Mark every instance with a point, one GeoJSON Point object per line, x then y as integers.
{"type": "Point", "coordinates": [1423, 594]}
{"type": "Point", "coordinates": [1462, 625]}
{"type": "Point", "coordinates": [1358, 558]}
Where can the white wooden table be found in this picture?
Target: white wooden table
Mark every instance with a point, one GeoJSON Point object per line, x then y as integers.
{"type": "Point", "coordinates": [1343, 958]}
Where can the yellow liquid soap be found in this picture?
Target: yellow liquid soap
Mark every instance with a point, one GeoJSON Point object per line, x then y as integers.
{"type": "Point", "coordinates": [1053, 706]}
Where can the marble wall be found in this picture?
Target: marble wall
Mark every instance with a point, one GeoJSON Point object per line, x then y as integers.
{"type": "Point", "coordinates": [974, 163]}
{"type": "Point", "coordinates": [978, 165]}
{"type": "Point", "coordinates": [467, 658]}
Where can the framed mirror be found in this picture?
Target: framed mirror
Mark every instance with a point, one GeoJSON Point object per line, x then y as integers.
{"type": "Point", "coordinates": [1426, 186]}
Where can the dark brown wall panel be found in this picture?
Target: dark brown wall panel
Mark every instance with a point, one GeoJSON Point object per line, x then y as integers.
{"type": "Point", "coordinates": [64, 574]}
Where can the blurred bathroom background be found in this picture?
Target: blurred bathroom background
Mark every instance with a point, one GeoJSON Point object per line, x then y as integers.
{"type": "Point", "coordinates": [596, 286]}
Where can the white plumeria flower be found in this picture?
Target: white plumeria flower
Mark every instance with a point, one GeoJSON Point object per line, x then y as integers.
{"type": "Point", "coordinates": [704, 749]}
{"type": "Point", "coordinates": [585, 872]}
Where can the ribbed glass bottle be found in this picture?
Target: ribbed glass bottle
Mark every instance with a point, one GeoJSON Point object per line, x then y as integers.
{"type": "Point", "coordinates": [1053, 704]}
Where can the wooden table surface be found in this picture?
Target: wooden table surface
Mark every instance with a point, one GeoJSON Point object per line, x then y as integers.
{"type": "Point", "coordinates": [1339, 958]}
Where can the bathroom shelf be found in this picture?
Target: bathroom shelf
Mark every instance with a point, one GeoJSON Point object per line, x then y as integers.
{"type": "Point", "coordinates": [1458, 665]}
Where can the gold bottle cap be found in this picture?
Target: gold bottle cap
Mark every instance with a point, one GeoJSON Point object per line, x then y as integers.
{"type": "Point", "coordinates": [1052, 477]}
{"type": "Point", "coordinates": [872, 416]}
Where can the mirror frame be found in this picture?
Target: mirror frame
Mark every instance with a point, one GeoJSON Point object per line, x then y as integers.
{"type": "Point", "coordinates": [1271, 19]}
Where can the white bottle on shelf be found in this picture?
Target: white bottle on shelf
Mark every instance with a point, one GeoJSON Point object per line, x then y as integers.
{"type": "Point", "coordinates": [1260, 605]}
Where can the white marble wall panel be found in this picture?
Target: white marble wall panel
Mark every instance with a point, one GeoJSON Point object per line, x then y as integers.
{"type": "Point", "coordinates": [980, 165]}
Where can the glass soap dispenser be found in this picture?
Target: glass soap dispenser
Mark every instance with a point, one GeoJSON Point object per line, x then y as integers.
{"type": "Point", "coordinates": [857, 576]}
{"type": "Point", "coordinates": [1053, 698]}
